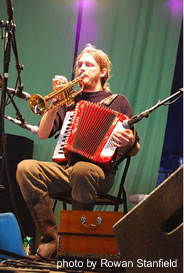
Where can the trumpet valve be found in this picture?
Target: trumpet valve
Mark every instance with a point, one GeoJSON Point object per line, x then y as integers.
{"type": "Point", "coordinates": [69, 101]}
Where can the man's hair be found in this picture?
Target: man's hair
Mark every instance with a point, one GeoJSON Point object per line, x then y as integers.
{"type": "Point", "coordinates": [102, 60]}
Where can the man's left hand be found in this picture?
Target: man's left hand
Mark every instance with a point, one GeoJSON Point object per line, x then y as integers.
{"type": "Point", "coordinates": [123, 138]}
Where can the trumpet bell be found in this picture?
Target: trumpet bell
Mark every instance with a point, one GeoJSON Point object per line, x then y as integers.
{"type": "Point", "coordinates": [37, 104]}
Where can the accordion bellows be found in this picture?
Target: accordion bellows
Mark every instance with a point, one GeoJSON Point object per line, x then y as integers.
{"type": "Point", "coordinates": [88, 131]}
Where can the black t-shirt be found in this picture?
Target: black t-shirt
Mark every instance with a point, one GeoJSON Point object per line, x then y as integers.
{"type": "Point", "coordinates": [119, 104]}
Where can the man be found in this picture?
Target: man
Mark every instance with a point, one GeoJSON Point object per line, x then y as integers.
{"type": "Point", "coordinates": [36, 179]}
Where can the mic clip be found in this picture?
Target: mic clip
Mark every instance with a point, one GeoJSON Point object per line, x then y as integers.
{"type": "Point", "coordinates": [20, 89]}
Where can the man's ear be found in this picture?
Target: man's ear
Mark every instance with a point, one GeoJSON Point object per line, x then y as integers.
{"type": "Point", "coordinates": [103, 72]}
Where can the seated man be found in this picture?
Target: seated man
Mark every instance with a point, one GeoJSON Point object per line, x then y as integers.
{"type": "Point", "coordinates": [37, 179]}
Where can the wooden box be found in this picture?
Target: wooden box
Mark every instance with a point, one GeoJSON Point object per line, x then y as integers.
{"type": "Point", "coordinates": [88, 232]}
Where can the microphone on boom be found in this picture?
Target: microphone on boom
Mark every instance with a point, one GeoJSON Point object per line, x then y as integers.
{"type": "Point", "coordinates": [15, 92]}
{"type": "Point", "coordinates": [21, 95]}
{"type": "Point", "coordinates": [32, 128]}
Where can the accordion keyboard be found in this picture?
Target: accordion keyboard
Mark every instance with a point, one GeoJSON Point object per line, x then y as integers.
{"type": "Point", "coordinates": [58, 152]}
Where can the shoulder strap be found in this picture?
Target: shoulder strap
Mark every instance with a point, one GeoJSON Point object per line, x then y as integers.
{"type": "Point", "coordinates": [107, 101]}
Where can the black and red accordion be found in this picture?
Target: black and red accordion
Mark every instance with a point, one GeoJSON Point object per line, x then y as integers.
{"type": "Point", "coordinates": [87, 131]}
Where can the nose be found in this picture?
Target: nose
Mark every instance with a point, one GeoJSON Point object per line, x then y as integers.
{"type": "Point", "coordinates": [83, 67]}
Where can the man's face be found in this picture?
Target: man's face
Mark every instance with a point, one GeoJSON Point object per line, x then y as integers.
{"type": "Point", "coordinates": [91, 71]}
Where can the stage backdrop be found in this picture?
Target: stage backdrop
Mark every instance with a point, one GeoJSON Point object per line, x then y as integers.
{"type": "Point", "coordinates": [141, 38]}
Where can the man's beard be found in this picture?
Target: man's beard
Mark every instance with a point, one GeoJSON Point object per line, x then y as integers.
{"type": "Point", "coordinates": [91, 83]}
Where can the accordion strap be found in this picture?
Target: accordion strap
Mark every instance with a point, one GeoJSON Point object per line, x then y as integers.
{"type": "Point", "coordinates": [107, 101]}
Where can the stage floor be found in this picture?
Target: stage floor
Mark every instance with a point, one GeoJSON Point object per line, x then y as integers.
{"type": "Point", "coordinates": [27, 266]}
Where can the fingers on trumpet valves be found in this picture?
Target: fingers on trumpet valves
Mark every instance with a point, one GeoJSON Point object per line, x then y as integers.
{"type": "Point", "coordinates": [59, 81]}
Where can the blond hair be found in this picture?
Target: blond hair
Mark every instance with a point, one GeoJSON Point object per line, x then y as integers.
{"type": "Point", "coordinates": [102, 60]}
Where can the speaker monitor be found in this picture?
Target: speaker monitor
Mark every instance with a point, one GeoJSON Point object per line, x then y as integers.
{"type": "Point", "coordinates": [18, 148]}
{"type": "Point", "coordinates": [150, 235]}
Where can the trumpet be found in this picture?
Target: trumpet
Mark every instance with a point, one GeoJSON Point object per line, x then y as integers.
{"type": "Point", "coordinates": [65, 95]}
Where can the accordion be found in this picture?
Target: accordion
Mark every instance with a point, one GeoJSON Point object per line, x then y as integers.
{"type": "Point", "coordinates": [87, 131]}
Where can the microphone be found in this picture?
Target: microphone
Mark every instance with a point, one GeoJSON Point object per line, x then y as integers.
{"type": "Point", "coordinates": [32, 128]}
{"type": "Point", "coordinates": [22, 95]}
{"type": "Point", "coordinates": [16, 92]}
{"type": "Point", "coordinates": [127, 124]}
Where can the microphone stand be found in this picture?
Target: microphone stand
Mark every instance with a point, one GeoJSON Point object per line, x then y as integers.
{"type": "Point", "coordinates": [146, 113]}
{"type": "Point", "coordinates": [7, 52]}
{"type": "Point", "coordinates": [127, 124]}
{"type": "Point", "coordinates": [9, 40]}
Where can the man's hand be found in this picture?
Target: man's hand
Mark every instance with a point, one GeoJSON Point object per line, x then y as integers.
{"type": "Point", "coordinates": [123, 138]}
{"type": "Point", "coordinates": [58, 81]}
{"type": "Point", "coordinates": [47, 120]}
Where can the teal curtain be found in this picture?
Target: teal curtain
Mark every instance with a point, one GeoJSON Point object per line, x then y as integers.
{"type": "Point", "coordinates": [141, 38]}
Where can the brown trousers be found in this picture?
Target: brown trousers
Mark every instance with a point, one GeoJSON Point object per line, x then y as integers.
{"type": "Point", "coordinates": [84, 178]}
